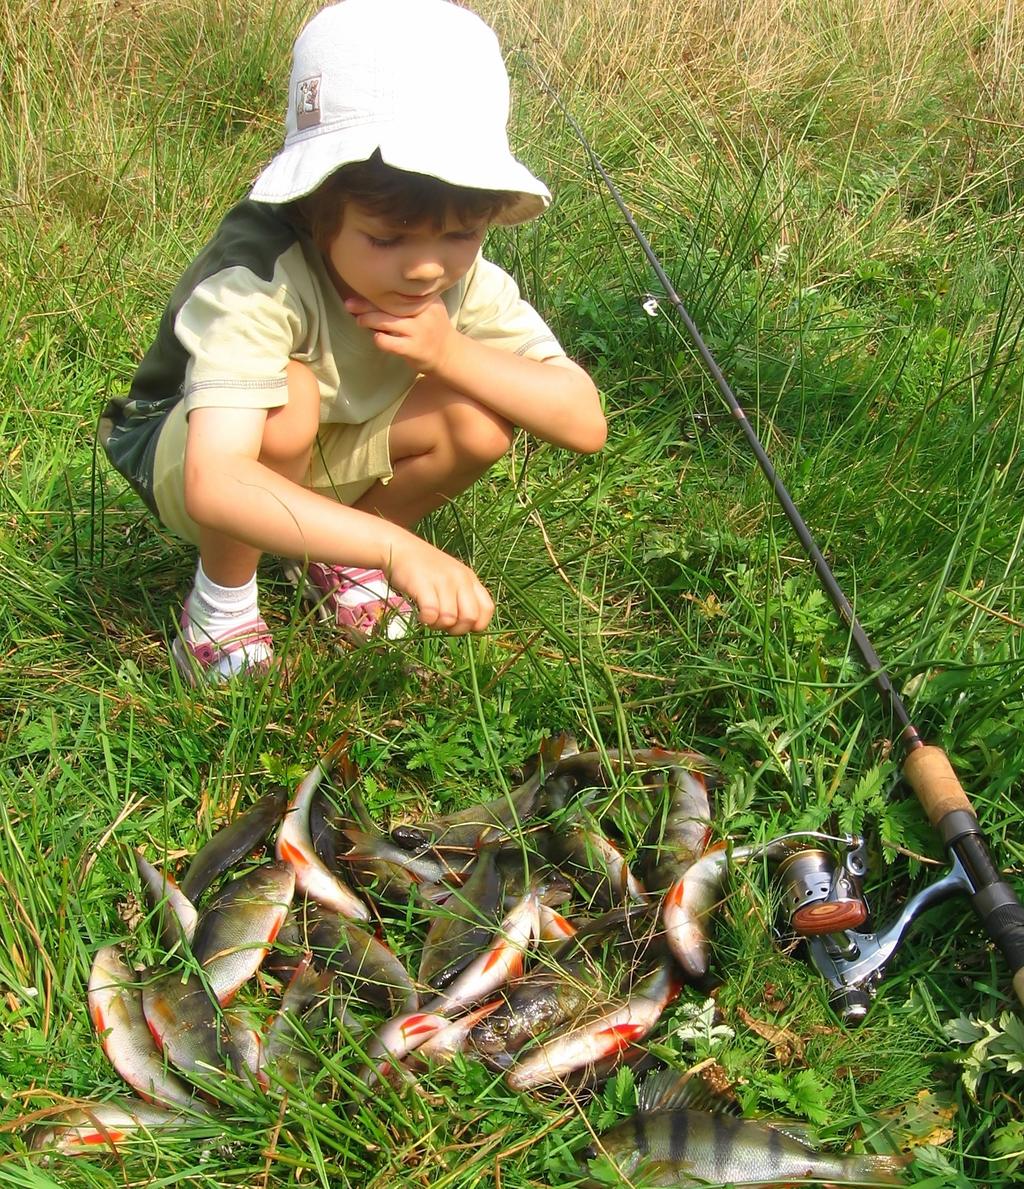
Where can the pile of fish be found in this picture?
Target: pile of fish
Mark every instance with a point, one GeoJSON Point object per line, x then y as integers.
{"type": "Point", "coordinates": [544, 954]}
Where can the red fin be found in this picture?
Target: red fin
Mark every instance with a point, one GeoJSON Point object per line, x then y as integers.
{"type": "Point", "coordinates": [480, 1012]}
{"type": "Point", "coordinates": [101, 1137]}
{"type": "Point", "coordinates": [158, 1039]}
{"type": "Point", "coordinates": [413, 1026]}
{"type": "Point", "coordinates": [495, 955]}
{"type": "Point", "coordinates": [291, 854]}
{"type": "Point", "coordinates": [674, 896]}
{"type": "Point", "coordinates": [419, 1030]}
{"type": "Point", "coordinates": [674, 989]}
{"type": "Point", "coordinates": [620, 1036]}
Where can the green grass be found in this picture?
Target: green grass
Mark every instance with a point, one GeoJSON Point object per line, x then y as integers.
{"type": "Point", "coordinates": [835, 192]}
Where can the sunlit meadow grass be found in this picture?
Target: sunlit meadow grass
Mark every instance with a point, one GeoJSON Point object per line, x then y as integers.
{"type": "Point", "coordinates": [835, 189]}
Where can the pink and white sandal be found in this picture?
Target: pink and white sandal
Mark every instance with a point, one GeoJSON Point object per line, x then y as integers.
{"type": "Point", "coordinates": [197, 661]}
{"type": "Point", "coordinates": [358, 601]}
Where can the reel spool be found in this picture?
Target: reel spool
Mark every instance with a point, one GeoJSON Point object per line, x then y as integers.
{"type": "Point", "coordinates": [821, 895]}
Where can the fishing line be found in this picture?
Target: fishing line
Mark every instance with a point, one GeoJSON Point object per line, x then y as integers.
{"type": "Point", "coordinates": [925, 767]}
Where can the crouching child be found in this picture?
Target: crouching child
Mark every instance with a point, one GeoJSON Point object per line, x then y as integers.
{"type": "Point", "coordinates": [340, 359]}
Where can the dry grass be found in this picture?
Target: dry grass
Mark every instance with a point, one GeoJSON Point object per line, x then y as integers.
{"type": "Point", "coordinates": [90, 83]}
{"type": "Point", "coordinates": [883, 52]}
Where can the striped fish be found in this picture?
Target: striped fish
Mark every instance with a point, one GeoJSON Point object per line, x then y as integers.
{"type": "Point", "coordinates": [670, 1143]}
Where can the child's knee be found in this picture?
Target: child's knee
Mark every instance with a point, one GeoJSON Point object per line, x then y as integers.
{"type": "Point", "coordinates": [292, 428]}
{"type": "Point", "coordinates": [478, 436]}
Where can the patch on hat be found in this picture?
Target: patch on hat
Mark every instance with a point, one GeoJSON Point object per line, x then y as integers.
{"type": "Point", "coordinates": [307, 102]}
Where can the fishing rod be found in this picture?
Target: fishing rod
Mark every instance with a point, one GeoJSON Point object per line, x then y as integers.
{"type": "Point", "coordinates": [926, 767]}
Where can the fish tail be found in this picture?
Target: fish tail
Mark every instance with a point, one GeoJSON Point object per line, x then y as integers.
{"type": "Point", "coordinates": [355, 799]}
{"type": "Point", "coordinates": [878, 1170]}
{"type": "Point", "coordinates": [332, 760]}
{"type": "Point", "coordinates": [364, 845]}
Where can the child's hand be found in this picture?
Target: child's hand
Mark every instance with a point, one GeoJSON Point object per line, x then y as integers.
{"type": "Point", "coordinates": [423, 338]}
{"type": "Point", "coordinates": [447, 594]}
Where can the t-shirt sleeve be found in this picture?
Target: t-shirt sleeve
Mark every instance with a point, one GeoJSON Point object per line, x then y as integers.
{"type": "Point", "coordinates": [493, 312]}
{"type": "Point", "coordinates": [239, 331]}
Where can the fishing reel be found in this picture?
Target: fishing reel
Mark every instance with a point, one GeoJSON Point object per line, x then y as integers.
{"type": "Point", "coordinates": [825, 907]}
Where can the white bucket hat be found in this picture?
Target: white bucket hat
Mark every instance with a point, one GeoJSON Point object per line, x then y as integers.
{"type": "Point", "coordinates": [421, 81]}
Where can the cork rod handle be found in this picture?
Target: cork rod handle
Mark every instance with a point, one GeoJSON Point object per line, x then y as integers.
{"type": "Point", "coordinates": [930, 774]}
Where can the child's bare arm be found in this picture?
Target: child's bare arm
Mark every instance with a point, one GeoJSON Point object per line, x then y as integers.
{"type": "Point", "coordinates": [554, 400]}
{"type": "Point", "coordinates": [229, 490]}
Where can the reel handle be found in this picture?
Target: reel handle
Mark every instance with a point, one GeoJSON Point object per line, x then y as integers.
{"type": "Point", "coordinates": [829, 916]}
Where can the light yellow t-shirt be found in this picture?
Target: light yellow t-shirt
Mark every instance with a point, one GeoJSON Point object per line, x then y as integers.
{"type": "Point", "coordinates": [259, 295]}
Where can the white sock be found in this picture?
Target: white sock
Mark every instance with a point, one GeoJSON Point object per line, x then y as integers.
{"type": "Point", "coordinates": [218, 612]}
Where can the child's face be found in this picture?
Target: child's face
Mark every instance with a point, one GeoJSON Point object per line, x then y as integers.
{"type": "Point", "coordinates": [400, 268]}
